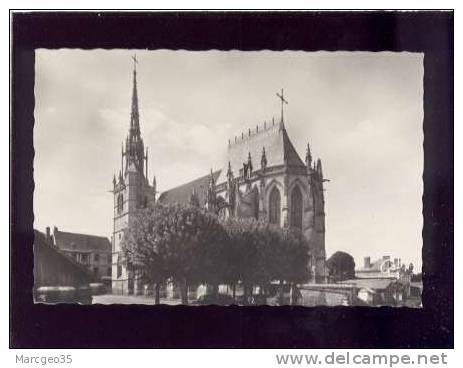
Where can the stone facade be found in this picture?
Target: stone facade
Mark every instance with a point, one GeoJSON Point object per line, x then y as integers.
{"type": "Point", "coordinates": [263, 177]}
{"type": "Point", "coordinates": [91, 251]}
{"type": "Point", "coordinates": [274, 184]}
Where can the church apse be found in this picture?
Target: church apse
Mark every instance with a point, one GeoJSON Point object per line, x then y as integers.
{"type": "Point", "coordinates": [264, 170]}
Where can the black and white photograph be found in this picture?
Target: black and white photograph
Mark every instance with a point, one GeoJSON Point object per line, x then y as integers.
{"type": "Point", "coordinates": [247, 178]}
{"type": "Point", "coordinates": [231, 179]}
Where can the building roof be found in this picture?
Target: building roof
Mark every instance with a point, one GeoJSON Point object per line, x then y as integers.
{"type": "Point", "coordinates": [372, 284]}
{"type": "Point", "coordinates": [278, 150]}
{"type": "Point", "coordinates": [81, 242]}
{"type": "Point", "coordinates": [374, 266]}
{"type": "Point", "coordinates": [42, 245]}
{"type": "Point", "coordinates": [182, 193]}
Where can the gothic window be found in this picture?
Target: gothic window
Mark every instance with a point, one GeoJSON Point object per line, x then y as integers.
{"type": "Point", "coordinates": [256, 203]}
{"type": "Point", "coordinates": [274, 206]}
{"type": "Point", "coordinates": [120, 203]}
{"type": "Point", "coordinates": [296, 208]}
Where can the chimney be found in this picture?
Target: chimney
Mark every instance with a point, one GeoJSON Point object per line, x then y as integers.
{"type": "Point", "coordinates": [366, 262]}
{"type": "Point", "coordinates": [396, 262]}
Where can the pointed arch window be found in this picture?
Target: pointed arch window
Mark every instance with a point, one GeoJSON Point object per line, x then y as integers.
{"type": "Point", "coordinates": [296, 208]}
{"type": "Point", "coordinates": [274, 206]}
{"type": "Point", "coordinates": [120, 203]}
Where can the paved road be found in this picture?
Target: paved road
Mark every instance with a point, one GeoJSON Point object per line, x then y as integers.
{"type": "Point", "coordinates": [129, 299]}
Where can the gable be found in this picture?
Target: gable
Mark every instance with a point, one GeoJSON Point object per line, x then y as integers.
{"type": "Point", "coordinates": [182, 193]}
{"type": "Point", "coordinates": [81, 242]}
{"type": "Point", "coordinates": [278, 151]}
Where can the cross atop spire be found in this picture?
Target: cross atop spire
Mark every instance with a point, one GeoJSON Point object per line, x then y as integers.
{"type": "Point", "coordinates": [283, 101]}
{"type": "Point", "coordinates": [135, 62]}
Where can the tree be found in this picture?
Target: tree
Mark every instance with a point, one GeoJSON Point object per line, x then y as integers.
{"type": "Point", "coordinates": [242, 252]}
{"type": "Point", "coordinates": [272, 253]}
{"type": "Point", "coordinates": [291, 254]}
{"type": "Point", "coordinates": [232, 271]}
{"type": "Point", "coordinates": [193, 239]}
{"type": "Point", "coordinates": [182, 243]}
{"type": "Point", "coordinates": [209, 249]}
{"type": "Point", "coordinates": [297, 256]}
{"type": "Point", "coordinates": [144, 251]}
{"type": "Point", "coordinates": [341, 266]}
{"type": "Point", "coordinates": [188, 245]}
{"type": "Point", "coordinates": [260, 253]}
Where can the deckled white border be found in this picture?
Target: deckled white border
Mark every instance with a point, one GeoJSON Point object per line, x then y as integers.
{"type": "Point", "coordinates": [211, 358]}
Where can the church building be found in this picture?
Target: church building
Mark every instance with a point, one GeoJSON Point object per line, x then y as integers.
{"type": "Point", "coordinates": [263, 177]}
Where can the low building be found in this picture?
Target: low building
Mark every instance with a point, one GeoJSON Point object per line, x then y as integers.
{"type": "Point", "coordinates": [93, 252]}
{"type": "Point", "coordinates": [58, 278]}
{"type": "Point", "coordinates": [383, 267]}
{"type": "Point", "coordinates": [380, 291]}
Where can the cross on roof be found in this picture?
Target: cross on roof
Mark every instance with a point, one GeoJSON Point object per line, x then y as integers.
{"type": "Point", "coordinates": [283, 101]}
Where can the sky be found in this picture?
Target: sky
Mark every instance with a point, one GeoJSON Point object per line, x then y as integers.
{"type": "Point", "coordinates": [361, 112]}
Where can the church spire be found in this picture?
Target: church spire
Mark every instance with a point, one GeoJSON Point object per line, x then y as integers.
{"type": "Point", "coordinates": [210, 194]}
{"type": "Point", "coordinates": [229, 172]}
{"type": "Point", "coordinates": [263, 160]}
{"type": "Point", "coordinates": [134, 148]}
{"type": "Point", "coordinates": [134, 115]}
{"type": "Point", "coordinates": [308, 157]}
{"type": "Point", "coordinates": [319, 168]}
